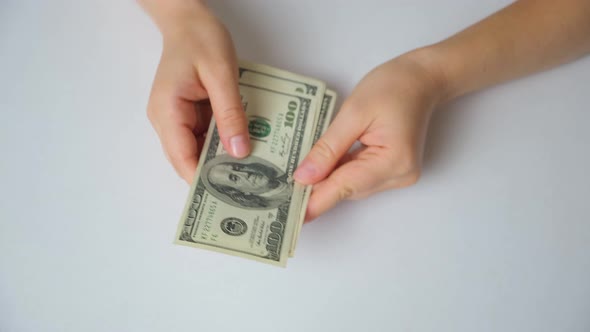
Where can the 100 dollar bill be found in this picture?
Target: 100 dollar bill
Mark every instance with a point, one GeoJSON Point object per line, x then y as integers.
{"type": "Point", "coordinates": [321, 125]}
{"type": "Point", "coordinates": [252, 207]}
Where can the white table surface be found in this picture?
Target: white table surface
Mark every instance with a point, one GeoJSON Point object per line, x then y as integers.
{"type": "Point", "coordinates": [495, 236]}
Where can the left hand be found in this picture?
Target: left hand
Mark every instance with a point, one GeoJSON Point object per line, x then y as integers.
{"type": "Point", "coordinates": [388, 112]}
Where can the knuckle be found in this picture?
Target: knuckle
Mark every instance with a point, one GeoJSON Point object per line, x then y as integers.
{"type": "Point", "coordinates": [223, 67]}
{"type": "Point", "coordinates": [218, 66]}
{"type": "Point", "coordinates": [345, 189]}
{"type": "Point", "coordinates": [351, 106]}
{"type": "Point", "coordinates": [359, 109]}
{"type": "Point", "coordinates": [152, 115]}
{"type": "Point", "coordinates": [230, 115]}
{"type": "Point", "coordinates": [172, 160]}
{"type": "Point", "coordinates": [345, 192]}
{"type": "Point", "coordinates": [178, 161]}
{"type": "Point", "coordinates": [150, 112]}
{"type": "Point", "coordinates": [157, 105]}
{"type": "Point", "coordinates": [324, 151]}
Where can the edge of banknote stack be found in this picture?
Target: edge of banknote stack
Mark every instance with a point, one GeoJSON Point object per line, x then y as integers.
{"type": "Point", "coordinates": [252, 208]}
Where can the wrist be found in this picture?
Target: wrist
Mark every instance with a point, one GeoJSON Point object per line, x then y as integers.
{"type": "Point", "coordinates": [170, 15]}
{"type": "Point", "coordinates": [432, 63]}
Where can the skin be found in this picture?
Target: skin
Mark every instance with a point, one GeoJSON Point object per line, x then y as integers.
{"type": "Point", "coordinates": [388, 111]}
{"type": "Point", "coordinates": [197, 76]}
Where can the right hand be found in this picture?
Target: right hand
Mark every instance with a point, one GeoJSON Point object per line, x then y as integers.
{"type": "Point", "coordinates": [197, 77]}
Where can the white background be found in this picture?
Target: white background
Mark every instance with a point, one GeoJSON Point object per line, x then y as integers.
{"type": "Point", "coordinates": [495, 236]}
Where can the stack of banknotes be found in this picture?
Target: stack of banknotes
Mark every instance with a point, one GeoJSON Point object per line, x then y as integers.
{"type": "Point", "coordinates": [252, 207]}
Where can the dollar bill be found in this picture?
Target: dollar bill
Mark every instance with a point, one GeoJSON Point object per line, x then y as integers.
{"type": "Point", "coordinates": [323, 121]}
{"type": "Point", "coordinates": [324, 102]}
{"type": "Point", "coordinates": [251, 207]}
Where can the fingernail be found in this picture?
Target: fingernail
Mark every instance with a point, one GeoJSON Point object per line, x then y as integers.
{"type": "Point", "coordinates": [305, 172]}
{"type": "Point", "coordinates": [239, 146]}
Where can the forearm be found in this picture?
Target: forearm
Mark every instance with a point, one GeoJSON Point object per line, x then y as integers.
{"type": "Point", "coordinates": [525, 37]}
{"type": "Point", "coordinates": [168, 13]}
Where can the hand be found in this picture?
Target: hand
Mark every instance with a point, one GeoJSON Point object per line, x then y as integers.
{"type": "Point", "coordinates": [388, 112]}
{"type": "Point", "coordinates": [197, 77]}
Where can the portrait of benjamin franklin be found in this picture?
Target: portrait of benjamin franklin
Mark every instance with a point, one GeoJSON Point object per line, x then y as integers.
{"type": "Point", "coordinates": [251, 183]}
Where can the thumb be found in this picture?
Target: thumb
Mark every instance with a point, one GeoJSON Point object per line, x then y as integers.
{"type": "Point", "coordinates": [366, 173]}
{"type": "Point", "coordinates": [328, 150]}
{"type": "Point", "coordinates": [222, 87]}
{"type": "Point", "coordinates": [352, 180]}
